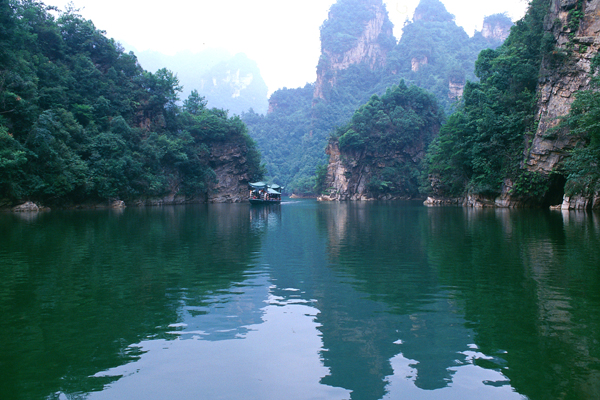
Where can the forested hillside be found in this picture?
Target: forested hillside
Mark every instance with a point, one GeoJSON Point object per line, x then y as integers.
{"type": "Point", "coordinates": [482, 141]}
{"type": "Point", "coordinates": [360, 57]}
{"type": "Point", "coordinates": [80, 120]}
{"type": "Point", "coordinates": [513, 138]}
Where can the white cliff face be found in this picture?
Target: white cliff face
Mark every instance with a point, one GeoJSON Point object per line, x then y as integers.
{"type": "Point", "coordinates": [455, 89]}
{"type": "Point", "coordinates": [417, 63]}
{"type": "Point", "coordinates": [495, 31]}
{"type": "Point", "coordinates": [238, 82]}
{"type": "Point", "coordinates": [367, 50]}
{"type": "Point", "coordinates": [233, 79]}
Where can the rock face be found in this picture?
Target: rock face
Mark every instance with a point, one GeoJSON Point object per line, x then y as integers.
{"type": "Point", "coordinates": [560, 79]}
{"type": "Point", "coordinates": [559, 83]}
{"type": "Point", "coordinates": [231, 170]}
{"type": "Point", "coordinates": [417, 63]}
{"type": "Point", "coordinates": [230, 183]}
{"type": "Point", "coordinates": [368, 49]}
{"type": "Point", "coordinates": [495, 30]}
{"type": "Point", "coordinates": [26, 207]}
{"type": "Point", "coordinates": [350, 173]}
{"type": "Point", "coordinates": [455, 89]}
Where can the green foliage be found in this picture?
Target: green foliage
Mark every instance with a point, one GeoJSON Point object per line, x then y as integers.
{"type": "Point", "coordinates": [582, 167]}
{"type": "Point", "coordinates": [12, 157]}
{"type": "Point", "coordinates": [482, 143]}
{"type": "Point", "coordinates": [432, 11]}
{"type": "Point", "coordinates": [401, 117]}
{"type": "Point", "coordinates": [320, 176]}
{"type": "Point", "coordinates": [290, 148]}
{"type": "Point", "coordinates": [530, 184]}
{"type": "Point", "coordinates": [80, 119]}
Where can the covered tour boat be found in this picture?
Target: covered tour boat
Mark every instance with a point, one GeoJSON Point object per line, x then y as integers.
{"type": "Point", "coordinates": [262, 193]}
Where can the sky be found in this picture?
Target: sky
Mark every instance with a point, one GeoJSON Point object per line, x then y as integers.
{"type": "Point", "coordinates": [282, 36]}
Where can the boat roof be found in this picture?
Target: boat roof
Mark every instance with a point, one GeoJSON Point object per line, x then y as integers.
{"type": "Point", "coordinates": [271, 191]}
{"type": "Point", "coordinates": [261, 185]}
{"type": "Point", "coordinates": [258, 185]}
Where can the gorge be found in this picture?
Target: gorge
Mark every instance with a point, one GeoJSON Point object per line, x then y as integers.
{"type": "Point", "coordinates": [508, 142]}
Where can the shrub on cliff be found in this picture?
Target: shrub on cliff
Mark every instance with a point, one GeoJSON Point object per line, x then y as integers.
{"type": "Point", "coordinates": [390, 133]}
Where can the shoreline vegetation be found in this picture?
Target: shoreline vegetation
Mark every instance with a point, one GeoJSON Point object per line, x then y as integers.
{"type": "Point", "coordinates": [82, 122]}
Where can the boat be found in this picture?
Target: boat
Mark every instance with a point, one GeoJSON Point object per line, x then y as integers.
{"type": "Point", "coordinates": [263, 193]}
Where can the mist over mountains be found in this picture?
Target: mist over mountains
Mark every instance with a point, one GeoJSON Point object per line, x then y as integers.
{"type": "Point", "coordinates": [230, 82]}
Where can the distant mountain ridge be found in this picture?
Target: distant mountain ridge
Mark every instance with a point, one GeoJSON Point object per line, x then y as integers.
{"type": "Point", "coordinates": [229, 82]}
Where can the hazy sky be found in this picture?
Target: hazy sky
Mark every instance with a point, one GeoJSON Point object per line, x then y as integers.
{"type": "Point", "coordinates": [282, 36]}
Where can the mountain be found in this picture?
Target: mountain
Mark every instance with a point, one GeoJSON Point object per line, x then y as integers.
{"type": "Point", "coordinates": [526, 134]}
{"type": "Point", "coordinates": [360, 57]}
{"type": "Point", "coordinates": [233, 83]}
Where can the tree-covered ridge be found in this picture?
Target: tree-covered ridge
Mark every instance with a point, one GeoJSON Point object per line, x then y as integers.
{"type": "Point", "coordinates": [400, 117]}
{"type": "Point", "coordinates": [432, 11]}
{"type": "Point", "coordinates": [80, 119]}
{"type": "Point", "coordinates": [389, 135]}
{"type": "Point", "coordinates": [435, 52]}
{"type": "Point", "coordinates": [499, 19]}
{"type": "Point", "coordinates": [482, 142]}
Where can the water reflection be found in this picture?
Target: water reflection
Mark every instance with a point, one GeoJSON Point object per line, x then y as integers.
{"type": "Point", "coordinates": [332, 301]}
{"type": "Point", "coordinates": [387, 302]}
{"type": "Point", "coordinates": [511, 284]}
{"type": "Point", "coordinates": [78, 288]}
{"type": "Point", "coordinates": [531, 295]}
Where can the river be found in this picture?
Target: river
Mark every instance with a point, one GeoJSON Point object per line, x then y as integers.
{"type": "Point", "coordinates": [304, 300]}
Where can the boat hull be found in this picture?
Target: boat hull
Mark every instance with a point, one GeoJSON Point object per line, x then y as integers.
{"type": "Point", "coordinates": [264, 202]}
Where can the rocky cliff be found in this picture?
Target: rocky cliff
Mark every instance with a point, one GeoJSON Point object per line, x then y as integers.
{"type": "Point", "coordinates": [496, 27]}
{"type": "Point", "coordinates": [560, 81]}
{"type": "Point", "coordinates": [229, 184]}
{"type": "Point", "coordinates": [351, 174]}
{"type": "Point", "coordinates": [564, 72]}
{"type": "Point", "coordinates": [369, 44]}
{"type": "Point", "coordinates": [232, 173]}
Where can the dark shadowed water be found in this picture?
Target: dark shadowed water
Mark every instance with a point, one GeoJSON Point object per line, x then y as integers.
{"type": "Point", "coordinates": [300, 301]}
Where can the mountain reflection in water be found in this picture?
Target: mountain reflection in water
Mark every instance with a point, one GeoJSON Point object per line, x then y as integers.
{"type": "Point", "coordinates": [333, 301]}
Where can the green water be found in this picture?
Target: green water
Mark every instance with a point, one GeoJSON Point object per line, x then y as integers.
{"type": "Point", "coordinates": [300, 301]}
